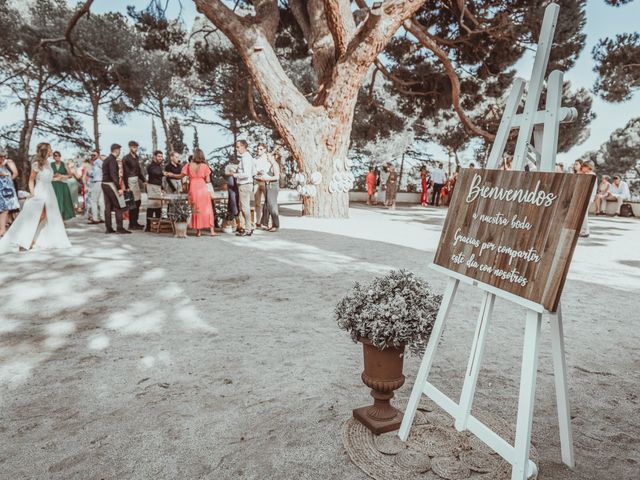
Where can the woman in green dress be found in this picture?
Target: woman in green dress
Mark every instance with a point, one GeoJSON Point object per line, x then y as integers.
{"type": "Point", "coordinates": [63, 194]}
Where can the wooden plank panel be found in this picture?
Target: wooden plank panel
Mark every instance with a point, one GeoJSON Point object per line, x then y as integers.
{"type": "Point", "coordinates": [515, 231]}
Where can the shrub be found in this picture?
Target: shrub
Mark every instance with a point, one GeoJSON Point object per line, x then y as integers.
{"type": "Point", "coordinates": [396, 309]}
{"type": "Point", "coordinates": [179, 211]}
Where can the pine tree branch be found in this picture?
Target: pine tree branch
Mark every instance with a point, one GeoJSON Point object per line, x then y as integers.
{"type": "Point", "coordinates": [233, 26]}
{"type": "Point", "coordinates": [256, 51]}
{"type": "Point", "coordinates": [85, 9]}
{"type": "Point", "coordinates": [320, 42]}
{"type": "Point", "coordinates": [299, 11]}
{"type": "Point", "coordinates": [418, 31]}
{"type": "Point", "coordinates": [396, 80]}
{"type": "Point", "coordinates": [267, 18]}
{"type": "Point", "coordinates": [237, 28]}
{"type": "Point", "coordinates": [372, 36]}
{"type": "Point", "coordinates": [341, 24]}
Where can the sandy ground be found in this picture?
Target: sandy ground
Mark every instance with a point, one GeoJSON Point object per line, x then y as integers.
{"type": "Point", "coordinates": [148, 357]}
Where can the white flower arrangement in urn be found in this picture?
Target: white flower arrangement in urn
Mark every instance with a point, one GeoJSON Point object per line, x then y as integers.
{"type": "Point", "coordinates": [395, 311]}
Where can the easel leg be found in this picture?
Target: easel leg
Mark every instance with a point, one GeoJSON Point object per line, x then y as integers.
{"type": "Point", "coordinates": [528, 375]}
{"type": "Point", "coordinates": [475, 360]}
{"type": "Point", "coordinates": [427, 360]}
{"type": "Point", "coordinates": [562, 396]}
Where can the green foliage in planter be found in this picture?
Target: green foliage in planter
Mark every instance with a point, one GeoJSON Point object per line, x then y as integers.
{"type": "Point", "coordinates": [221, 213]}
{"type": "Point", "coordinates": [396, 309]}
{"type": "Point", "coordinates": [179, 211]}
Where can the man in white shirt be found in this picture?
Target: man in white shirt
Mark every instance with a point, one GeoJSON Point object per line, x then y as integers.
{"type": "Point", "coordinates": [95, 186]}
{"type": "Point", "coordinates": [439, 178]}
{"type": "Point", "coordinates": [618, 192]}
{"type": "Point", "coordinates": [244, 176]}
{"type": "Point", "coordinates": [262, 167]}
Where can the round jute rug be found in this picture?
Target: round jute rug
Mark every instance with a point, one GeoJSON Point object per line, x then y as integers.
{"type": "Point", "coordinates": [434, 451]}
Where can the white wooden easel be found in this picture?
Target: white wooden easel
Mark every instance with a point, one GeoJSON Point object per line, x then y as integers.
{"type": "Point", "coordinates": [543, 125]}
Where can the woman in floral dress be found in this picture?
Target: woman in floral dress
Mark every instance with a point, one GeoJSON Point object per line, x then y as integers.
{"type": "Point", "coordinates": [8, 196]}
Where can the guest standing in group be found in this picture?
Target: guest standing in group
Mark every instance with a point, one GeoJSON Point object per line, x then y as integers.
{"type": "Point", "coordinates": [95, 187]}
{"type": "Point", "coordinates": [85, 171]}
{"type": "Point", "coordinates": [586, 168]}
{"type": "Point", "coordinates": [113, 189]}
{"type": "Point", "coordinates": [450, 186]}
{"type": "Point", "coordinates": [155, 174]}
{"type": "Point", "coordinates": [392, 187]}
{"type": "Point", "coordinates": [173, 171]}
{"type": "Point", "coordinates": [371, 186]}
{"type": "Point", "coordinates": [577, 166]}
{"type": "Point", "coordinates": [507, 164]}
{"type": "Point", "coordinates": [378, 194]}
{"type": "Point", "coordinates": [384, 176]}
{"type": "Point", "coordinates": [244, 176]}
{"type": "Point", "coordinates": [271, 179]}
{"type": "Point", "coordinates": [262, 163]}
{"type": "Point", "coordinates": [60, 187]}
{"type": "Point", "coordinates": [439, 178]}
{"type": "Point", "coordinates": [199, 175]}
{"type": "Point", "coordinates": [75, 176]}
{"type": "Point", "coordinates": [8, 196]}
{"type": "Point", "coordinates": [424, 179]}
{"type": "Point", "coordinates": [233, 210]}
{"type": "Point", "coordinates": [133, 181]}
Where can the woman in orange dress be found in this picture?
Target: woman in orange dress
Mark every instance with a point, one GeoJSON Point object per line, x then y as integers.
{"type": "Point", "coordinates": [371, 186]}
{"type": "Point", "coordinates": [424, 178]}
{"type": "Point", "coordinates": [200, 190]}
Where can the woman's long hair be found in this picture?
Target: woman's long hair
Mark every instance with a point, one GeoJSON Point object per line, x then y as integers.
{"type": "Point", "coordinates": [198, 156]}
{"type": "Point", "coordinates": [42, 154]}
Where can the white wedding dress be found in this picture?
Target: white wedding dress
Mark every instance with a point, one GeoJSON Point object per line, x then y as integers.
{"type": "Point", "coordinates": [27, 231]}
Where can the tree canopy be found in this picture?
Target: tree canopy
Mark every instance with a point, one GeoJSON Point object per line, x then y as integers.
{"type": "Point", "coordinates": [334, 79]}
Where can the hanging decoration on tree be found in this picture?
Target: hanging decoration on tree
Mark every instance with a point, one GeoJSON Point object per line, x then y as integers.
{"type": "Point", "coordinates": [341, 182]}
{"type": "Point", "coordinates": [307, 187]}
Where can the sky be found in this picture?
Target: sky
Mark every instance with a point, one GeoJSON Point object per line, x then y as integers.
{"type": "Point", "coordinates": [602, 20]}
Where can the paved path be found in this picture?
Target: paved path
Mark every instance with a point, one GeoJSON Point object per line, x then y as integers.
{"type": "Point", "coordinates": [142, 356]}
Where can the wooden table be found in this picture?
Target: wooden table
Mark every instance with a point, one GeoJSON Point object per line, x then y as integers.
{"type": "Point", "coordinates": [163, 224]}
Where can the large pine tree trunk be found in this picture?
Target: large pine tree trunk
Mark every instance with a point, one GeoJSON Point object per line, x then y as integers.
{"type": "Point", "coordinates": [317, 134]}
{"type": "Point", "coordinates": [95, 111]}
{"type": "Point", "coordinates": [329, 161]}
{"type": "Point", "coordinates": [25, 137]}
{"type": "Point", "coordinates": [165, 128]}
{"type": "Point", "coordinates": [317, 138]}
{"type": "Point", "coordinates": [23, 156]}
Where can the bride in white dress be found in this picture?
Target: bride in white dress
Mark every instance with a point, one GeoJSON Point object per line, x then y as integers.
{"type": "Point", "coordinates": [39, 225]}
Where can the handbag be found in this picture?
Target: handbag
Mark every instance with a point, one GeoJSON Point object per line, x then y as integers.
{"type": "Point", "coordinates": [210, 190]}
{"type": "Point", "coordinates": [626, 210]}
{"type": "Point", "coordinates": [129, 200]}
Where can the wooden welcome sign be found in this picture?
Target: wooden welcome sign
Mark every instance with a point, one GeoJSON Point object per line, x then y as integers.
{"type": "Point", "coordinates": [515, 231]}
{"type": "Point", "coordinates": [512, 234]}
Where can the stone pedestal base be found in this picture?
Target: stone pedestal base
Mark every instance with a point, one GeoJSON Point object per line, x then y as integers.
{"type": "Point", "coordinates": [378, 426]}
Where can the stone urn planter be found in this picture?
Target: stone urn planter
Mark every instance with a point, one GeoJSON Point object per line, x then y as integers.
{"type": "Point", "coordinates": [383, 374]}
{"type": "Point", "coordinates": [393, 313]}
{"type": "Point", "coordinates": [180, 229]}
{"type": "Point", "coordinates": [179, 212]}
